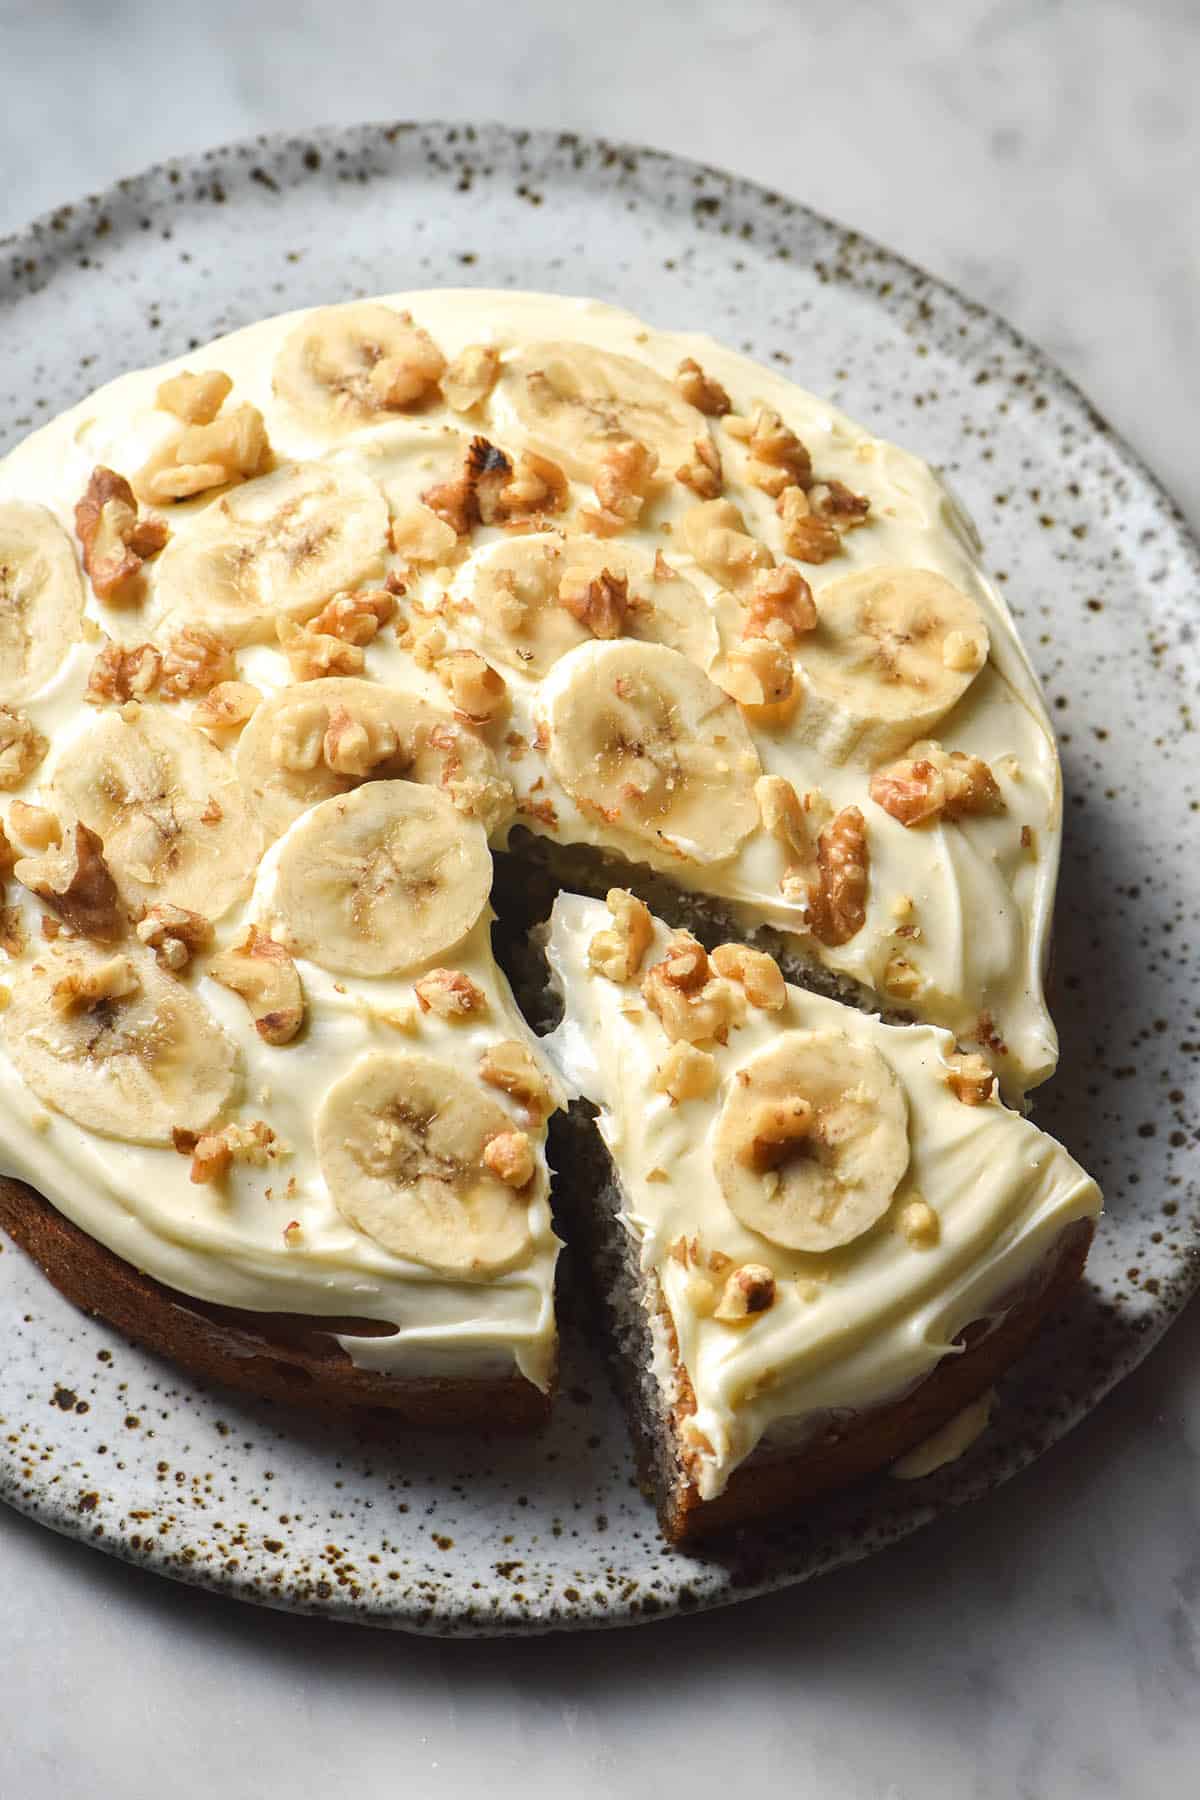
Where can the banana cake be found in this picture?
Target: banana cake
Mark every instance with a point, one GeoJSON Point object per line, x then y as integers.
{"type": "Point", "coordinates": [304, 639]}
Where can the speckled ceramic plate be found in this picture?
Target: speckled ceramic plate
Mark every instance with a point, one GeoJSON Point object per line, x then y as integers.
{"type": "Point", "coordinates": [103, 1442]}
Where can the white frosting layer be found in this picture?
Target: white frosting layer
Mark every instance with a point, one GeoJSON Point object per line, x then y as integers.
{"type": "Point", "coordinates": [849, 1329]}
{"type": "Point", "coordinates": [982, 897]}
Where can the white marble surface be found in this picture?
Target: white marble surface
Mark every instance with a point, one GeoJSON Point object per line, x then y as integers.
{"type": "Point", "coordinates": [1046, 1643]}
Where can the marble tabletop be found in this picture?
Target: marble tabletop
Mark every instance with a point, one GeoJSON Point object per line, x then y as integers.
{"type": "Point", "coordinates": [1044, 1643]}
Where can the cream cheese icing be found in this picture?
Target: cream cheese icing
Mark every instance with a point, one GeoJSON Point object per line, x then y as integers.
{"type": "Point", "coordinates": [849, 1329]}
{"type": "Point", "coordinates": [228, 1245]}
{"type": "Point", "coordinates": [981, 890]}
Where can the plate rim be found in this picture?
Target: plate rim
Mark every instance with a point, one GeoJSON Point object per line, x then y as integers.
{"type": "Point", "coordinates": [45, 1506]}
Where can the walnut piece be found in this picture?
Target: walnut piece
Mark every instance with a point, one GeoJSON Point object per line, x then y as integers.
{"type": "Point", "coordinates": [902, 979]}
{"type": "Point", "coordinates": [778, 459]}
{"type": "Point", "coordinates": [471, 377]}
{"type": "Point", "coordinates": [758, 672]}
{"type": "Point", "coordinates": [509, 1155]}
{"type": "Point", "coordinates": [75, 882]}
{"type": "Point", "coordinates": [82, 989]}
{"type": "Point", "coordinates": [702, 473]}
{"type": "Point", "coordinates": [22, 747]}
{"type": "Point", "coordinates": [686, 1073]}
{"type": "Point", "coordinates": [114, 540]}
{"type": "Point", "coordinates": [969, 1079]}
{"type": "Point", "coordinates": [691, 1002]}
{"type": "Point", "coordinates": [774, 1129]}
{"type": "Point", "coordinates": [780, 606]}
{"type": "Point", "coordinates": [450, 994]}
{"type": "Point", "coordinates": [349, 746]}
{"type": "Point", "coordinates": [617, 953]}
{"type": "Point", "coordinates": [174, 934]}
{"type": "Point", "coordinates": [624, 476]}
{"type": "Point", "coordinates": [422, 537]}
{"type": "Point", "coordinates": [226, 707]}
{"type": "Point", "coordinates": [838, 896]}
{"type": "Point", "coordinates": [355, 617]}
{"type": "Point", "coordinates": [929, 781]}
{"type": "Point", "coordinates": [214, 1152]}
{"type": "Point", "coordinates": [479, 692]}
{"type": "Point", "coordinates": [600, 603]}
{"type": "Point", "coordinates": [231, 447]}
{"type": "Point", "coordinates": [759, 974]}
{"type": "Point", "coordinates": [195, 660]}
{"type": "Point", "coordinates": [119, 674]}
{"type": "Point", "coordinates": [700, 390]}
{"type": "Point", "coordinates": [34, 825]}
{"type": "Point", "coordinates": [510, 1067]}
{"type": "Point", "coordinates": [490, 490]}
{"type": "Point", "coordinates": [263, 973]}
{"type": "Point", "coordinates": [196, 399]}
{"type": "Point", "coordinates": [749, 1291]}
{"type": "Point", "coordinates": [834, 501]}
{"type": "Point", "coordinates": [920, 1224]}
{"type": "Point", "coordinates": [715, 535]}
{"type": "Point", "coordinates": [312, 655]}
{"type": "Point", "coordinates": [806, 536]}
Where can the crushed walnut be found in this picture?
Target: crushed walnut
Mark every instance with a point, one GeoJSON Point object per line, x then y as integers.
{"type": "Point", "coordinates": [715, 535]}
{"type": "Point", "coordinates": [34, 826]}
{"type": "Point", "coordinates": [478, 691]}
{"type": "Point", "coordinates": [263, 973]}
{"type": "Point", "coordinates": [969, 1078]}
{"type": "Point", "coordinates": [312, 655]}
{"type": "Point", "coordinates": [81, 989]}
{"type": "Point", "coordinates": [121, 674]}
{"type": "Point", "coordinates": [226, 707]}
{"type": "Point", "coordinates": [700, 390]}
{"type": "Point", "coordinates": [780, 606]}
{"type": "Point", "coordinates": [355, 617]}
{"type": "Point", "coordinates": [600, 603]}
{"type": "Point", "coordinates": [491, 490]}
{"type": "Point", "coordinates": [902, 979]}
{"type": "Point", "coordinates": [115, 541]}
{"type": "Point", "coordinates": [929, 782]}
{"type": "Point", "coordinates": [214, 1152]}
{"type": "Point", "coordinates": [196, 399]}
{"type": "Point", "coordinates": [792, 822]}
{"type": "Point", "coordinates": [174, 934]}
{"type": "Point", "coordinates": [760, 976]}
{"type": "Point", "coordinates": [749, 1291]}
{"type": "Point", "coordinates": [471, 377]}
{"type": "Point", "coordinates": [806, 536]}
{"type": "Point", "coordinates": [75, 882]}
{"type": "Point", "coordinates": [623, 480]}
{"type": "Point", "coordinates": [778, 458]}
{"type": "Point", "coordinates": [510, 1067]}
{"type": "Point", "coordinates": [449, 993]}
{"type": "Point", "coordinates": [838, 896]}
{"type": "Point", "coordinates": [689, 999]}
{"type": "Point", "coordinates": [422, 537]}
{"type": "Point", "coordinates": [702, 472]}
{"type": "Point", "coordinates": [617, 953]}
{"type": "Point", "coordinates": [686, 1073]}
{"type": "Point", "coordinates": [919, 1223]}
{"type": "Point", "coordinates": [350, 746]}
{"type": "Point", "coordinates": [195, 660]}
{"type": "Point", "coordinates": [758, 672]}
{"type": "Point", "coordinates": [232, 446]}
{"type": "Point", "coordinates": [509, 1155]}
{"type": "Point", "coordinates": [22, 747]}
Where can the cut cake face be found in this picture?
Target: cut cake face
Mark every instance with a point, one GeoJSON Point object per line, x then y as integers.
{"type": "Point", "coordinates": [817, 1204]}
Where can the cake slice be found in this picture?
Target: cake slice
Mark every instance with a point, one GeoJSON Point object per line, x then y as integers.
{"type": "Point", "coordinates": [817, 1237]}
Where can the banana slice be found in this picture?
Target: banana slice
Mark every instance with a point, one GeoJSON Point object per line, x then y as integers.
{"type": "Point", "coordinates": [573, 402]}
{"type": "Point", "coordinates": [119, 1046]}
{"type": "Point", "coordinates": [41, 598]}
{"type": "Point", "coordinates": [894, 649]}
{"type": "Point", "coordinates": [168, 806]}
{"type": "Point", "coordinates": [323, 738]}
{"type": "Point", "coordinates": [381, 880]}
{"type": "Point", "coordinates": [276, 547]}
{"type": "Point", "coordinates": [812, 1141]}
{"type": "Point", "coordinates": [529, 597]}
{"type": "Point", "coordinates": [643, 740]}
{"type": "Point", "coordinates": [345, 366]}
{"type": "Point", "coordinates": [401, 1143]}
